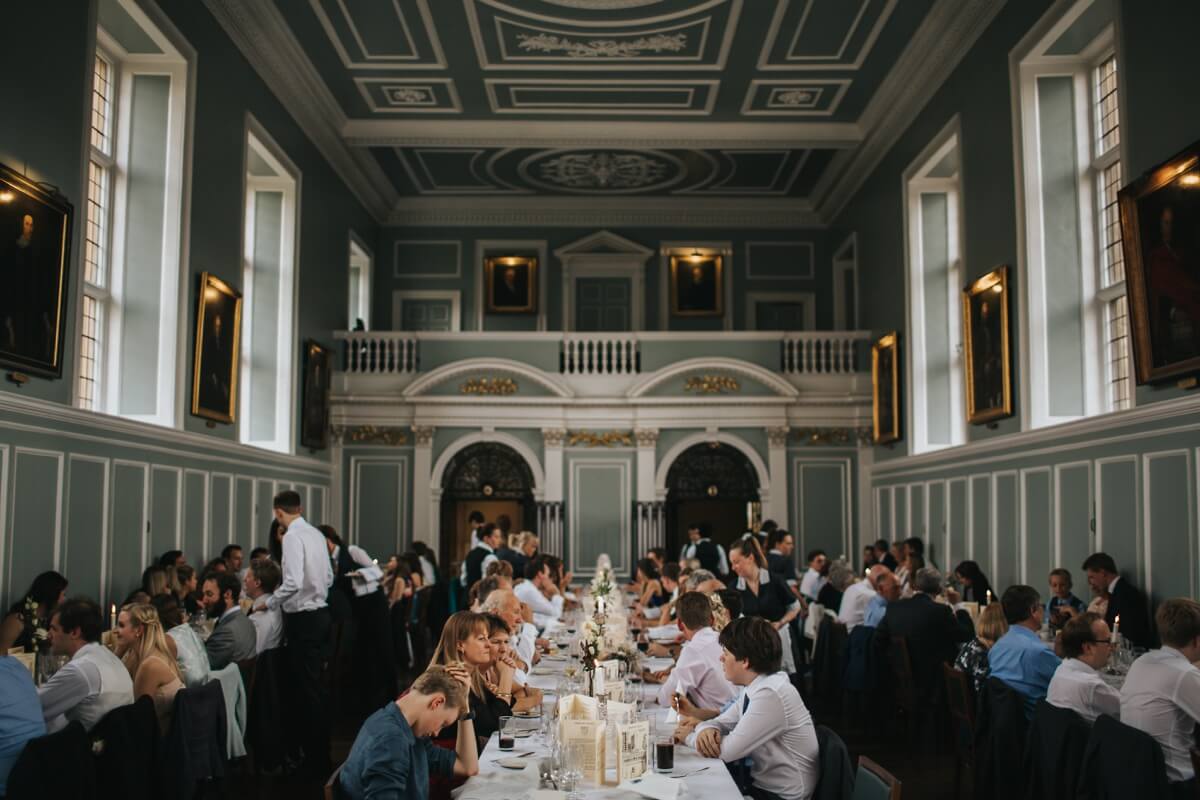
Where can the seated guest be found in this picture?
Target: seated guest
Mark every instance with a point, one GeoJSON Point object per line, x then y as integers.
{"type": "Point", "coordinates": [189, 647]}
{"type": "Point", "coordinates": [1124, 599]}
{"type": "Point", "coordinates": [20, 714]}
{"type": "Point", "coordinates": [32, 611]}
{"type": "Point", "coordinates": [94, 681]}
{"type": "Point", "coordinates": [857, 596]}
{"type": "Point", "coordinates": [814, 576]}
{"type": "Point", "coordinates": [840, 577]}
{"type": "Point", "coordinates": [933, 634]}
{"type": "Point", "coordinates": [658, 555]}
{"type": "Point", "coordinates": [1077, 685]}
{"type": "Point", "coordinates": [172, 558]}
{"type": "Point", "coordinates": [887, 588]}
{"type": "Point", "coordinates": [233, 638]}
{"type": "Point", "coordinates": [392, 755]}
{"type": "Point", "coordinates": [1062, 605]}
{"type": "Point", "coordinates": [499, 634]}
{"type": "Point", "coordinates": [769, 722]}
{"type": "Point", "coordinates": [262, 579]}
{"type": "Point", "coordinates": [512, 554]}
{"type": "Point", "coordinates": [523, 637]}
{"type": "Point", "coordinates": [398, 579]}
{"type": "Point", "coordinates": [763, 594]}
{"type": "Point", "coordinates": [973, 656]}
{"type": "Point", "coordinates": [975, 586]}
{"type": "Point", "coordinates": [703, 581]}
{"type": "Point", "coordinates": [540, 592]}
{"type": "Point", "coordinates": [186, 588]}
{"type": "Point", "coordinates": [669, 577]}
{"type": "Point", "coordinates": [696, 675]}
{"type": "Point", "coordinates": [652, 593]}
{"type": "Point", "coordinates": [780, 547]}
{"type": "Point", "coordinates": [427, 562]}
{"type": "Point", "coordinates": [480, 591]}
{"type": "Point", "coordinates": [1161, 694]}
{"type": "Point", "coordinates": [142, 646]}
{"type": "Point", "coordinates": [213, 567]}
{"type": "Point", "coordinates": [883, 553]}
{"type": "Point", "coordinates": [231, 554]}
{"type": "Point", "coordinates": [465, 641]}
{"type": "Point", "coordinates": [1020, 658]}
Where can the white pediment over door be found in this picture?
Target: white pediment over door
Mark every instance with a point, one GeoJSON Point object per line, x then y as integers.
{"type": "Point", "coordinates": [604, 254]}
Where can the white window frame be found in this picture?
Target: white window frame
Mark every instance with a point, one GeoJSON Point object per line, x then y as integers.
{"type": "Point", "coordinates": [914, 182]}
{"type": "Point", "coordinates": [177, 62]}
{"type": "Point", "coordinates": [365, 279]}
{"type": "Point", "coordinates": [1028, 63]}
{"type": "Point", "coordinates": [287, 352]}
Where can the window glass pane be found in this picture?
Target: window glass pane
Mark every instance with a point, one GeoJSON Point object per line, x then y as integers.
{"type": "Point", "coordinates": [89, 349]}
{"type": "Point", "coordinates": [1108, 134]}
{"type": "Point", "coordinates": [102, 106]}
{"type": "Point", "coordinates": [1113, 264]}
{"type": "Point", "coordinates": [93, 256]}
{"type": "Point", "coordinates": [1117, 335]}
{"type": "Point", "coordinates": [355, 293]}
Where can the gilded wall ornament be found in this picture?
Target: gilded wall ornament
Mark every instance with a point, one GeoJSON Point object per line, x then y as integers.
{"type": "Point", "coordinates": [605, 439]}
{"type": "Point", "coordinates": [646, 437]}
{"type": "Point", "coordinates": [553, 437]}
{"type": "Point", "coordinates": [489, 386]}
{"type": "Point", "coordinates": [778, 437]}
{"type": "Point", "coordinates": [602, 48]}
{"type": "Point", "coordinates": [834, 436]}
{"type": "Point", "coordinates": [369, 434]}
{"type": "Point", "coordinates": [423, 435]}
{"type": "Point", "coordinates": [711, 384]}
{"type": "Point", "coordinates": [408, 96]}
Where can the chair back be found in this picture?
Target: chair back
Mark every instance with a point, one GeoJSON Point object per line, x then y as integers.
{"type": "Point", "coordinates": [125, 746]}
{"type": "Point", "coordinates": [1054, 752]}
{"type": "Point", "coordinates": [248, 669]}
{"type": "Point", "coordinates": [264, 711]}
{"type": "Point", "coordinates": [194, 749]}
{"type": "Point", "coordinates": [900, 664]}
{"type": "Point", "coordinates": [52, 766]}
{"type": "Point", "coordinates": [836, 778]}
{"type": "Point", "coordinates": [961, 705]}
{"type": "Point", "coordinates": [333, 786]}
{"type": "Point", "coordinates": [873, 782]}
{"type": "Point", "coordinates": [1196, 769]}
{"type": "Point", "coordinates": [1121, 762]}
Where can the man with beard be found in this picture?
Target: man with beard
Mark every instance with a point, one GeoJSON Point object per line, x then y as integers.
{"type": "Point", "coordinates": [234, 638]}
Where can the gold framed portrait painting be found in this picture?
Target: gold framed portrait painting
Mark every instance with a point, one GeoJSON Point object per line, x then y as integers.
{"type": "Point", "coordinates": [35, 249]}
{"type": "Point", "coordinates": [512, 284]}
{"type": "Point", "coordinates": [885, 383]}
{"type": "Point", "coordinates": [697, 285]}
{"type": "Point", "coordinates": [215, 371]}
{"type": "Point", "coordinates": [1160, 217]}
{"type": "Point", "coordinates": [985, 338]}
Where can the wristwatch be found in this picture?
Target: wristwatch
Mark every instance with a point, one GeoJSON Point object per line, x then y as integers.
{"type": "Point", "coordinates": [469, 716]}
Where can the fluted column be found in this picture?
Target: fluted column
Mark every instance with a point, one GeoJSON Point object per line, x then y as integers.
{"type": "Point", "coordinates": [776, 504]}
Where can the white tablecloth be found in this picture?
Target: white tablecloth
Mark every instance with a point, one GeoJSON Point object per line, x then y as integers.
{"type": "Point", "coordinates": [497, 783]}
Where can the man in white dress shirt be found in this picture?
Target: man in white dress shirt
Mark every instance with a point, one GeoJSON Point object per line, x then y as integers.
{"type": "Point", "coordinates": [522, 638]}
{"type": "Point", "coordinates": [307, 576]}
{"type": "Point", "coordinates": [262, 578]}
{"type": "Point", "coordinates": [94, 681]}
{"type": "Point", "coordinates": [857, 597]}
{"type": "Point", "coordinates": [697, 674]}
{"type": "Point", "coordinates": [1161, 695]}
{"type": "Point", "coordinates": [814, 579]}
{"type": "Point", "coordinates": [540, 592]}
{"type": "Point", "coordinates": [768, 721]}
{"type": "Point", "coordinates": [1077, 684]}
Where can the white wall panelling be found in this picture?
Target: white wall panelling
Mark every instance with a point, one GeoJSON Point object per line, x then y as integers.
{"type": "Point", "coordinates": [576, 492]}
{"type": "Point", "coordinates": [376, 535]}
{"type": "Point", "coordinates": [86, 524]}
{"type": "Point", "coordinates": [807, 506]}
{"type": "Point", "coordinates": [1036, 522]}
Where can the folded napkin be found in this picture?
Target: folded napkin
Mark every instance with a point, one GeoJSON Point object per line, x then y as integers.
{"type": "Point", "coordinates": [655, 786]}
{"type": "Point", "coordinates": [664, 633]}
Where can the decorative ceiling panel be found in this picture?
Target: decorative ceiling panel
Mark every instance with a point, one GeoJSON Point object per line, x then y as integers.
{"type": "Point", "coordinates": [369, 34]}
{"type": "Point", "coordinates": [819, 34]}
{"type": "Point", "coordinates": [577, 97]}
{"type": "Point", "coordinates": [398, 96]}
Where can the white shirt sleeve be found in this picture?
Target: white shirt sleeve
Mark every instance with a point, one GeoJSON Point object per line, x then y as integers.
{"type": "Point", "coordinates": [1106, 700]}
{"type": "Point", "coordinates": [763, 721]}
{"type": "Point", "coordinates": [724, 722]}
{"type": "Point", "coordinates": [684, 677]}
{"type": "Point", "coordinates": [293, 572]}
{"type": "Point", "coordinates": [67, 688]}
{"type": "Point", "coordinates": [543, 608]}
{"type": "Point", "coordinates": [1187, 693]}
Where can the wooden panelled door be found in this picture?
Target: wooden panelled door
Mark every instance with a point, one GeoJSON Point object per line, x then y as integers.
{"type": "Point", "coordinates": [603, 304]}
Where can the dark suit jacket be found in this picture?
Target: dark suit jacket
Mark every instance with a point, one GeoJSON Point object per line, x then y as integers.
{"type": "Point", "coordinates": [782, 566]}
{"type": "Point", "coordinates": [933, 637]}
{"type": "Point", "coordinates": [233, 639]}
{"type": "Point", "coordinates": [1127, 601]}
{"type": "Point", "coordinates": [708, 556]}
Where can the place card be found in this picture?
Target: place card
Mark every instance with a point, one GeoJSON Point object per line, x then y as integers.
{"type": "Point", "coordinates": [633, 750]}
{"type": "Point", "coordinates": [588, 737]}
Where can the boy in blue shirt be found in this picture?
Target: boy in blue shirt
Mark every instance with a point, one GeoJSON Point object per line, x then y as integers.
{"type": "Point", "coordinates": [1062, 604]}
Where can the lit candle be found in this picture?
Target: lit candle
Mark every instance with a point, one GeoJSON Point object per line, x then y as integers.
{"type": "Point", "coordinates": [1117, 626]}
{"type": "Point", "coordinates": [112, 617]}
{"type": "Point", "coordinates": [989, 597]}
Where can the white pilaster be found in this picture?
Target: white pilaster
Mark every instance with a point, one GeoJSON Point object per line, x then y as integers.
{"type": "Point", "coordinates": [867, 533]}
{"type": "Point", "coordinates": [552, 440]}
{"type": "Point", "coordinates": [776, 505]}
{"type": "Point", "coordinates": [647, 450]}
{"type": "Point", "coordinates": [426, 513]}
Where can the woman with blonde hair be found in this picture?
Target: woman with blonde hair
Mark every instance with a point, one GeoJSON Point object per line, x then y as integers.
{"type": "Point", "coordinates": [973, 657]}
{"type": "Point", "coordinates": [465, 641]}
{"type": "Point", "coordinates": [142, 646]}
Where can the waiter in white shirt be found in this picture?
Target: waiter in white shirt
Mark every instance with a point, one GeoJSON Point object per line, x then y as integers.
{"type": "Point", "coordinates": [814, 579]}
{"type": "Point", "coordinates": [1161, 694]}
{"type": "Point", "coordinates": [540, 592]}
{"type": "Point", "coordinates": [307, 576]}
{"type": "Point", "coordinates": [697, 675]}
{"type": "Point", "coordinates": [768, 722]}
{"type": "Point", "coordinates": [1077, 684]}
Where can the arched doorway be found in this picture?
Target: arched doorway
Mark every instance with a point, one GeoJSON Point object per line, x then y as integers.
{"type": "Point", "coordinates": [489, 477]}
{"type": "Point", "coordinates": [711, 482]}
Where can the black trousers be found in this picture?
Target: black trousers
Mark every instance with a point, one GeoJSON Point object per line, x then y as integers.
{"type": "Point", "coordinates": [758, 793]}
{"type": "Point", "coordinates": [307, 637]}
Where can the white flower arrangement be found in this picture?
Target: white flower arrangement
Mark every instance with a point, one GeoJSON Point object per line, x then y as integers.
{"type": "Point", "coordinates": [37, 633]}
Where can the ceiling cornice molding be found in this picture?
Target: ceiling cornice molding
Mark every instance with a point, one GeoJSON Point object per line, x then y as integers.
{"type": "Point", "coordinates": [599, 133]}
{"type": "Point", "coordinates": [592, 212]}
{"type": "Point", "coordinates": [936, 49]}
{"type": "Point", "coordinates": [264, 38]}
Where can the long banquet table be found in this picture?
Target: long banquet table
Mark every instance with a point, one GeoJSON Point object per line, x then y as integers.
{"type": "Point", "coordinates": [705, 777]}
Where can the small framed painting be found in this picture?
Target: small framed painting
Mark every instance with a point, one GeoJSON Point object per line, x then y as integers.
{"type": "Point", "coordinates": [696, 286]}
{"type": "Point", "coordinates": [215, 372]}
{"type": "Point", "coordinates": [885, 382]}
{"type": "Point", "coordinates": [511, 284]}
{"type": "Point", "coordinates": [985, 335]}
{"type": "Point", "coordinates": [35, 245]}
{"type": "Point", "coordinates": [1160, 231]}
{"type": "Point", "coordinates": [315, 403]}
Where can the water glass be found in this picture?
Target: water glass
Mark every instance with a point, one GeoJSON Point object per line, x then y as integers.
{"type": "Point", "coordinates": [508, 733]}
{"type": "Point", "coordinates": [664, 752]}
{"type": "Point", "coordinates": [572, 771]}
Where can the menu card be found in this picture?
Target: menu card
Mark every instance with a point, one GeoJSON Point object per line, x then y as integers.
{"type": "Point", "coordinates": [612, 670]}
{"type": "Point", "coordinates": [28, 659]}
{"type": "Point", "coordinates": [587, 738]}
{"type": "Point", "coordinates": [577, 707]}
{"type": "Point", "coordinates": [633, 750]}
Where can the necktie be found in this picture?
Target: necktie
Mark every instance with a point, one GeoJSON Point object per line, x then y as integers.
{"type": "Point", "coordinates": [745, 704]}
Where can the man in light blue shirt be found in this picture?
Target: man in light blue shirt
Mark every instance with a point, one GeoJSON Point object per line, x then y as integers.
{"type": "Point", "coordinates": [888, 588]}
{"type": "Point", "coordinates": [1020, 658]}
{"type": "Point", "coordinates": [20, 714]}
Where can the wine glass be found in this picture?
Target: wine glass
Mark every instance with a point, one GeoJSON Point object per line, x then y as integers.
{"type": "Point", "coordinates": [572, 770]}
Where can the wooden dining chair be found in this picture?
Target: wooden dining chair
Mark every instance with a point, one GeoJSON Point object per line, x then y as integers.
{"type": "Point", "coordinates": [960, 702]}
{"type": "Point", "coordinates": [873, 782]}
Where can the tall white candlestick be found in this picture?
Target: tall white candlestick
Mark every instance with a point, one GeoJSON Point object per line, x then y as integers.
{"type": "Point", "coordinates": [112, 617]}
{"type": "Point", "coordinates": [1117, 626]}
{"type": "Point", "coordinates": [599, 690]}
{"type": "Point", "coordinates": [989, 597]}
